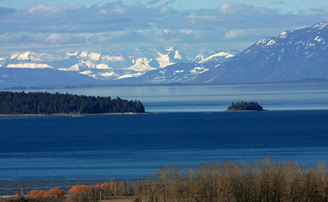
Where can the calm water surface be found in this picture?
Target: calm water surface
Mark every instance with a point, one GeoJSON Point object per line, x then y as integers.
{"type": "Point", "coordinates": [187, 127]}
{"type": "Point", "coordinates": [216, 98]}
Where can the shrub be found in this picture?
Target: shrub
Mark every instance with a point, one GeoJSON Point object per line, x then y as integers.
{"type": "Point", "coordinates": [230, 181]}
{"type": "Point", "coordinates": [55, 192]}
{"type": "Point", "coordinates": [78, 188]}
{"type": "Point", "coordinates": [38, 194]}
{"type": "Point", "coordinates": [17, 195]}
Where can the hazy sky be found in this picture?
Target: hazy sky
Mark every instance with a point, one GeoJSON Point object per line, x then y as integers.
{"type": "Point", "coordinates": [108, 26]}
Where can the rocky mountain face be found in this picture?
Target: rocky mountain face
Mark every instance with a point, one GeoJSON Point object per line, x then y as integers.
{"type": "Point", "coordinates": [290, 56]}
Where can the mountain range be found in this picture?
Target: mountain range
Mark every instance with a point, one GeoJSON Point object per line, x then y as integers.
{"type": "Point", "coordinates": [82, 67]}
{"type": "Point", "coordinates": [290, 56]}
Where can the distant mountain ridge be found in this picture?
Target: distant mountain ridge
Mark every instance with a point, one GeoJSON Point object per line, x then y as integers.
{"type": "Point", "coordinates": [298, 55]}
{"type": "Point", "coordinates": [99, 66]}
{"type": "Point", "coordinates": [290, 56]}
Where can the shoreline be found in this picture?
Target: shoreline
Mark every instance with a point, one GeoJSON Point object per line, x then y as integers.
{"type": "Point", "coordinates": [72, 115]}
{"type": "Point", "coordinates": [245, 110]}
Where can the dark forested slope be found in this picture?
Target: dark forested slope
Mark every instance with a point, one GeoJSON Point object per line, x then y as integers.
{"type": "Point", "coordinates": [47, 103]}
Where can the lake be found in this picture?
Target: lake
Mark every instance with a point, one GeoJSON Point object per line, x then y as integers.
{"type": "Point", "coordinates": [188, 126]}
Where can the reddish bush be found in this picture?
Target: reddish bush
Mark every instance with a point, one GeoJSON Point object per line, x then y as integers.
{"type": "Point", "coordinates": [55, 192]}
{"type": "Point", "coordinates": [78, 188]}
{"type": "Point", "coordinates": [17, 196]}
{"type": "Point", "coordinates": [38, 194]}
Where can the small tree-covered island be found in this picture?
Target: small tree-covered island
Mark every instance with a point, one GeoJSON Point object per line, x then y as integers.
{"type": "Point", "coordinates": [43, 103]}
{"type": "Point", "coordinates": [245, 106]}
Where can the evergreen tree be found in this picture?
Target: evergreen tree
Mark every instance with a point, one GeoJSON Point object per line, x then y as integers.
{"type": "Point", "coordinates": [240, 106]}
{"type": "Point", "coordinates": [47, 103]}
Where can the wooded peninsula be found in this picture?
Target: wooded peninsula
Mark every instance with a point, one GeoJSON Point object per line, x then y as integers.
{"type": "Point", "coordinates": [21, 103]}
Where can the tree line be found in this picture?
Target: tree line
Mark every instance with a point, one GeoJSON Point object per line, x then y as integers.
{"type": "Point", "coordinates": [245, 106]}
{"type": "Point", "coordinates": [58, 103]}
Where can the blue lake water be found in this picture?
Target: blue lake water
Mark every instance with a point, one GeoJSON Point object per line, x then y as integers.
{"type": "Point", "coordinates": [187, 127]}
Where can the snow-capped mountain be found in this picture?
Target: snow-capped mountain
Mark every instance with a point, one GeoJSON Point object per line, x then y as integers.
{"type": "Point", "coordinates": [110, 67]}
{"type": "Point", "coordinates": [214, 56]}
{"type": "Point", "coordinates": [98, 65]}
{"type": "Point", "coordinates": [183, 72]}
{"type": "Point", "coordinates": [290, 56]}
{"type": "Point", "coordinates": [176, 73]}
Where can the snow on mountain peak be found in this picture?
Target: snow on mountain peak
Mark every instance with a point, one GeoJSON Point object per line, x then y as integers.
{"type": "Point", "coordinates": [198, 70]}
{"type": "Point", "coordinates": [319, 39]}
{"type": "Point", "coordinates": [29, 66]}
{"type": "Point", "coordinates": [75, 68]}
{"type": "Point", "coordinates": [102, 66]}
{"type": "Point", "coordinates": [320, 26]}
{"type": "Point", "coordinates": [164, 60]}
{"type": "Point", "coordinates": [283, 35]}
{"type": "Point", "coordinates": [199, 57]}
{"type": "Point", "coordinates": [216, 56]}
{"type": "Point", "coordinates": [170, 49]}
{"type": "Point", "coordinates": [72, 54]}
{"type": "Point", "coordinates": [94, 56]}
{"type": "Point", "coordinates": [111, 66]}
{"type": "Point", "coordinates": [22, 56]}
{"type": "Point", "coordinates": [177, 55]}
{"type": "Point", "coordinates": [84, 54]}
{"type": "Point", "coordinates": [141, 64]}
{"type": "Point", "coordinates": [266, 42]}
{"type": "Point", "coordinates": [113, 58]}
{"type": "Point", "coordinates": [129, 75]}
{"type": "Point", "coordinates": [107, 74]}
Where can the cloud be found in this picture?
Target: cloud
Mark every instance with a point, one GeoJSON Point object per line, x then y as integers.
{"type": "Point", "coordinates": [317, 10]}
{"type": "Point", "coordinates": [234, 34]}
{"type": "Point", "coordinates": [6, 11]}
{"type": "Point", "coordinates": [64, 39]}
{"type": "Point", "coordinates": [169, 2]}
{"type": "Point", "coordinates": [277, 3]}
{"type": "Point", "coordinates": [110, 25]}
{"type": "Point", "coordinates": [243, 9]}
{"type": "Point", "coordinates": [185, 31]}
{"type": "Point", "coordinates": [152, 2]}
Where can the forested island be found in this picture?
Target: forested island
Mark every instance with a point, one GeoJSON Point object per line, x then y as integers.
{"type": "Point", "coordinates": [21, 103]}
{"type": "Point", "coordinates": [245, 106]}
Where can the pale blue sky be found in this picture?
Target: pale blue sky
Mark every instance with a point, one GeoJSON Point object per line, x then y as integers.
{"type": "Point", "coordinates": [108, 26]}
{"type": "Point", "coordinates": [283, 5]}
